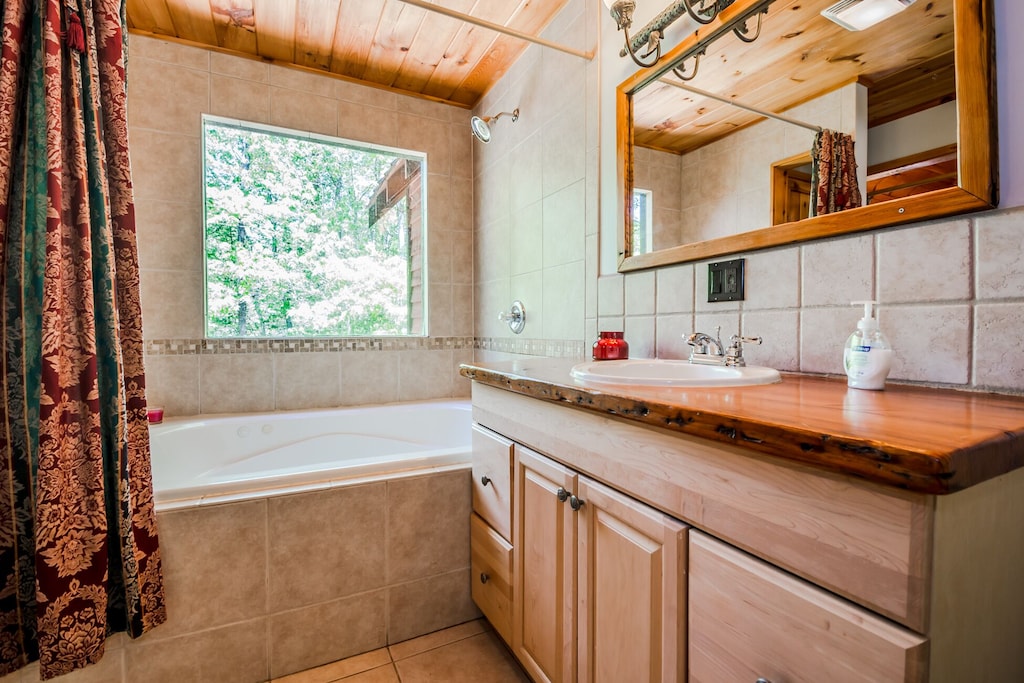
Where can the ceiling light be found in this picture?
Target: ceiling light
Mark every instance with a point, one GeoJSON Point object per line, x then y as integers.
{"type": "Point", "coordinates": [857, 15]}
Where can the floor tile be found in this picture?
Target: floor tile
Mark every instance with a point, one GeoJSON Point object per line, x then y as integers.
{"type": "Point", "coordinates": [480, 657]}
{"type": "Point", "coordinates": [342, 669]}
{"type": "Point", "coordinates": [437, 639]}
{"type": "Point", "coordinates": [382, 674]}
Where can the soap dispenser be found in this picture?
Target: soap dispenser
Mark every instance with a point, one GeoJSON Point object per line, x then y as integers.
{"type": "Point", "coordinates": [867, 356]}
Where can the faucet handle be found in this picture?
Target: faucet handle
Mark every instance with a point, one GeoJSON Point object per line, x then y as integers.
{"type": "Point", "coordinates": [734, 354]}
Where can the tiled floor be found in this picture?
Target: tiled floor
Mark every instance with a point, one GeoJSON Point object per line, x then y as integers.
{"type": "Point", "coordinates": [467, 653]}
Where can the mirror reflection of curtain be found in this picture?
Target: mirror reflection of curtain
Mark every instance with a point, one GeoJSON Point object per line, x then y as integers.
{"type": "Point", "coordinates": [833, 173]}
{"type": "Point", "coordinates": [79, 556]}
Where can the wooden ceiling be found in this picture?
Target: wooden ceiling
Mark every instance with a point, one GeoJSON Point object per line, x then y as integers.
{"type": "Point", "coordinates": [906, 62]}
{"type": "Point", "coordinates": [384, 43]}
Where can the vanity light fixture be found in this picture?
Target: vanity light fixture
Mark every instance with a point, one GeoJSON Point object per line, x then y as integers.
{"type": "Point", "coordinates": [857, 15]}
{"type": "Point", "coordinates": [701, 11]}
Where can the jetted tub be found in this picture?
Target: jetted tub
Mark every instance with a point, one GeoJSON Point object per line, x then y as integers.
{"type": "Point", "coordinates": [208, 459]}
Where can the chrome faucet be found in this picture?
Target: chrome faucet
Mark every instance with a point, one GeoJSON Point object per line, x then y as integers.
{"type": "Point", "coordinates": [708, 350]}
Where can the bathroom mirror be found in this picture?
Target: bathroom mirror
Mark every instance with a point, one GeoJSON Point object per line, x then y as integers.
{"type": "Point", "coordinates": [929, 68]}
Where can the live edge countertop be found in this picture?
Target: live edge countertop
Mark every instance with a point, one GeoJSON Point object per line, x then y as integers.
{"type": "Point", "coordinates": [915, 438]}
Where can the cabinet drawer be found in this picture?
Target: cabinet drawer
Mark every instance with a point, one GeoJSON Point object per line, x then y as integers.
{"type": "Point", "coordinates": [491, 564]}
{"type": "Point", "coordinates": [749, 620]}
{"type": "Point", "coordinates": [492, 476]}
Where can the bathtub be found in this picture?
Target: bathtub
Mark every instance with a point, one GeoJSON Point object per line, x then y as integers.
{"type": "Point", "coordinates": [211, 459]}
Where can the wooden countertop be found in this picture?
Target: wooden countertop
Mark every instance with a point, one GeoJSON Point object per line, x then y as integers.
{"type": "Point", "coordinates": [915, 438]}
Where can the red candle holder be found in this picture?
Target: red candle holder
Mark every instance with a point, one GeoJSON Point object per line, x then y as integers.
{"type": "Point", "coordinates": [611, 346]}
{"type": "Point", "coordinates": [155, 415]}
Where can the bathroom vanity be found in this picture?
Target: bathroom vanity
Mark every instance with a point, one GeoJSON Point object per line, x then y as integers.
{"type": "Point", "coordinates": [799, 531]}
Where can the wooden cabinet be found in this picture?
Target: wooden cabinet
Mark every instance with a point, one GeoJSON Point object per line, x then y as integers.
{"type": "Point", "coordinates": [601, 580]}
{"type": "Point", "coordinates": [750, 621]}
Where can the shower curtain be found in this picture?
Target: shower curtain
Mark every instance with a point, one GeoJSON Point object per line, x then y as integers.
{"type": "Point", "coordinates": [79, 557]}
{"type": "Point", "coordinates": [833, 173]}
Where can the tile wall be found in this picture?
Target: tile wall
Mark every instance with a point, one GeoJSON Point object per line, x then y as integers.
{"type": "Point", "coordinates": [255, 592]}
{"type": "Point", "coordinates": [952, 291]}
{"type": "Point", "coordinates": [169, 87]}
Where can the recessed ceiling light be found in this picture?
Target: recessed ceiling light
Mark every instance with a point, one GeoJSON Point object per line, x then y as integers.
{"type": "Point", "coordinates": [857, 15]}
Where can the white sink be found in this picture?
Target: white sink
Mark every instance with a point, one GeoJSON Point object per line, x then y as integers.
{"type": "Point", "coordinates": [672, 373]}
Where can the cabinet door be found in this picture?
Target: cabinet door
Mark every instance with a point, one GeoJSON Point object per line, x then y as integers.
{"type": "Point", "coordinates": [751, 621]}
{"type": "Point", "coordinates": [544, 568]}
{"type": "Point", "coordinates": [492, 490]}
{"type": "Point", "coordinates": [632, 590]}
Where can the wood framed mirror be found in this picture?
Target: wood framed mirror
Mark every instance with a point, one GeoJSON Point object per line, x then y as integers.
{"type": "Point", "coordinates": [932, 62]}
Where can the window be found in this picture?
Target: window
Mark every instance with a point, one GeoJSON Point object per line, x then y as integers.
{"type": "Point", "coordinates": [310, 236]}
{"type": "Point", "coordinates": [643, 224]}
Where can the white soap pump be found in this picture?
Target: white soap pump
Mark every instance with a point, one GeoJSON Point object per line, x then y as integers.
{"type": "Point", "coordinates": [867, 355]}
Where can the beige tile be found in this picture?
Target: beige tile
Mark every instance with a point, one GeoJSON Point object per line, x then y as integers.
{"type": "Point", "coordinates": [565, 225]}
{"type": "Point", "coordinates": [382, 674]}
{"type": "Point", "coordinates": [671, 331]}
{"type": "Point", "coordinates": [463, 386]}
{"type": "Point", "coordinates": [780, 332]}
{"type": "Point", "coordinates": [326, 632]}
{"type": "Point", "coordinates": [927, 263]}
{"type": "Point", "coordinates": [640, 293]}
{"type": "Point", "coordinates": [428, 525]}
{"type": "Point", "coordinates": [930, 343]}
{"type": "Point", "coordinates": [440, 309]}
{"type": "Point", "coordinates": [365, 95]}
{"type": "Point", "coordinates": [837, 272]}
{"type": "Point", "coordinates": [1000, 255]}
{"type": "Point", "coordinates": [172, 304]}
{"type": "Point", "coordinates": [424, 375]}
{"type": "Point", "coordinates": [165, 51]}
{"type": "Point", "coordinates": [241, 99]}
{"type": "Point", "coordinates": [998, 361]}
{"type": "Point", "coordinates": [771, 279]}
{"type": "Point", "coordinates": [166, 166]}
{"type": "Point", "coordinates": [426, 135]}
{"type": "Point", "coordinates": [307, 380]}
{"type": "Point", "coordinates": [490, 298]}
{"type": "Point", "coordinates": [167, 97]}
{"type": "Point", "coordinates": [431, 641]}
{"type": "Point", "coordinates": [462, 662]}
{"type": "Point", "coordinates": [369, 377]}
{"type": "Point", "coordinates": [611, 299]}
{"type": "Point", "coordinates": [110, 669]}
{"type": "Point", "coordinates": [300, 81]}
{"type": "Point", "coordinates": [237, 383]}
{"type": "Point", "coordinates": [169, 234]}
{"type": "Point", "coordinates": [344, 668]}
{"type": "Point", "coordinates": [527, 239]}
{"type": "Point", "coordinates": [462, 310]}
{"type": "Point", "coordinates": [462, 146]}
{"type": "Point", "coordinates": [240, 67]}
{"type": "Point", "coordinates": [462, 217]}
{"type": "Point", "coordinates": [564, 301]}
{"type": "Point", "coordinates": [173, 383]}
{"type": "Point", "coordinates": [426, 108]}
{"type": "Point", "coordinates": [492, 205]}
{"type": "Point", "coordinates": [590, 269]}
{"type": "Point", "coordinates": [231, 654]}
{"type": "Point", "coordinates": [342, 554]}
{"type": "Point", "coordinates": [675, 289]}
{"type": "Point", "coordinates": [303, 111]}
{"type": "Point", "coordinates": [564, 147]}
{"type": "Point", "coordinates": [823, 332]}
{"type": "Point", "coordinates": [492, 250]}
{"type": "Point", "coordinates": [640, 335]}
{"type": "Point", "coordinates": [214, 563]}
{"type": "Point", "coordinates": [378, 126]}
{"type": "Point", "coordinates": [430, 604]}
{"type": "Point", "coordinates": [527, 171]}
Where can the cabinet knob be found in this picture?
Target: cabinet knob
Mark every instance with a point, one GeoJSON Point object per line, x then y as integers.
{"type": "Point", "coordinates": [562, 494]}
{"type": "Point", "coordinates": [485, 480]}
{"type": "Point", "coordinates": [485, 577]}
{"type": "Point", "coordinates": [575, 503]}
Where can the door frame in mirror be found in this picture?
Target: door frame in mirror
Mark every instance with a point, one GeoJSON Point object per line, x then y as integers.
{"type": "Point", "coordinates": [977, 147]}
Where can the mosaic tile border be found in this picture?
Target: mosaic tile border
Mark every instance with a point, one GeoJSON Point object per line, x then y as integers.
{"type": "Point", "coordinates": [532, 347]}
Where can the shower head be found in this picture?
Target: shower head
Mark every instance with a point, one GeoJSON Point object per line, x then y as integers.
{"type": "Point", "coordinates": [481, 126]}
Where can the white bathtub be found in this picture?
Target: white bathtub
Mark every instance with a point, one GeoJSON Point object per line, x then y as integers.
{"type": "Point", "coordinates": [215, 459]}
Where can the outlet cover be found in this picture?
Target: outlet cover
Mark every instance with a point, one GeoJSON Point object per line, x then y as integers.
{"type": "Point", "coordinates": [725, 280]}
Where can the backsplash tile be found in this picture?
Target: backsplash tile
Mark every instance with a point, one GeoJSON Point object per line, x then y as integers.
{"type": "Point", "coordinates": [997, 346]}
{"type": "Point", "coordinates": [930, 343]}
{"type": "Point", "coordinates": [838, 271]}
{"type": "Point", "coordinates": [1000, 255]}
{"type": "Point", "coordinates": [930, 262]}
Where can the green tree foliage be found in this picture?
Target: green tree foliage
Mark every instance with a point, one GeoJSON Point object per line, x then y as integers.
{"type": "Point", "coordinates": [290, 251]}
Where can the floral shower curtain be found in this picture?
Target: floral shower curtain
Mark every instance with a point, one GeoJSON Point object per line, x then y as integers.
{"type": "Point", "coordinates": [833, 173]}
{"type": "Point", "coordinates": [79, 557]}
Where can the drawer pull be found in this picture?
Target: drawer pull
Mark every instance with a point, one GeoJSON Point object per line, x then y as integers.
{"type": "Point", "coordinates": [485, 577]}
{"type": "Point", "coordinates": [562, 494]}
{"type": "Point", "coordinates": [575, 503]}
{"type": "Point", "coordinates": [485, 480]}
